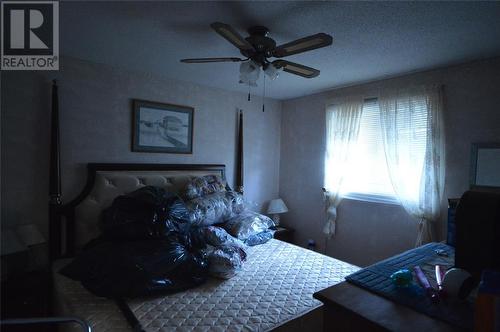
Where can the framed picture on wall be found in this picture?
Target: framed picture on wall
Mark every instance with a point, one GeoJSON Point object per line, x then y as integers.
{"type": "Point", "coordinates": [159, 127]}
{"type": "Point", "coordinates": [485, 163]}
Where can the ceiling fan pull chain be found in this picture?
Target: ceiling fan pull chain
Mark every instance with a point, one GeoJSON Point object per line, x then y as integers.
{"type": "Point", "coordinates": [249, 91]}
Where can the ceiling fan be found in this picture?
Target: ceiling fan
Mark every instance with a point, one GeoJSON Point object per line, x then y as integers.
{"type": "Point", "coordinates": [258, 48]}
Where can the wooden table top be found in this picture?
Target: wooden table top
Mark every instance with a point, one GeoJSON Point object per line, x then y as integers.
{"type": "Point", "coordinates": [380, 311]}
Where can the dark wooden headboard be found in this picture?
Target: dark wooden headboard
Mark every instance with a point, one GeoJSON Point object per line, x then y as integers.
{"type": "Point", "coordinates": [62, 224]}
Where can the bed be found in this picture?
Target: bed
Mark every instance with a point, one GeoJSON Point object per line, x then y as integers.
{"type": "Point", "coordinates": [273, 291]}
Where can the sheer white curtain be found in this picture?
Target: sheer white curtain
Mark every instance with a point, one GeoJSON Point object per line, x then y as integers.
{"type": "Point", "coordinates": [342, 129]}
{"type": "Point", "coordinates": [413, 136]}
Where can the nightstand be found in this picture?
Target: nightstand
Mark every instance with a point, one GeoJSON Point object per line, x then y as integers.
{"type": "Point", "coordinates": [26, 295]}
{"type": "Point", "coordinates": [283, 233]}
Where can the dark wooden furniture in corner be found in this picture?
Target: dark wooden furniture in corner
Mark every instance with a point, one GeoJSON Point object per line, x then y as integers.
{"type": "Point", "coordinates": [451, 232]}
{"type": "Point", "coordinates": [283, 233]}
{"type": "Point", "coordinates": [24, 296]}
{"type": "Point", "coordinates": [351, 308]}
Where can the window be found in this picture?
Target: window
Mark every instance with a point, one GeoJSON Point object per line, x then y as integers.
{"type": "Point", "coordinates": [366, 171]}
{"type": "Point", "coordinates": [387, 148]}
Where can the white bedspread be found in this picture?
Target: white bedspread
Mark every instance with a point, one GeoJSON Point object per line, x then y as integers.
{"type": "Point", "coordinates": [275, 286]}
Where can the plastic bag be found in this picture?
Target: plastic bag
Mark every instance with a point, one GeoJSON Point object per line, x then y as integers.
{"type": "Point", "coordinates": [259, 238]}
{"type": "Point", "coordinates": [225, 261]}
{"type": "Point", "coordinates": [204, 185]}
{"type": "Point", "coordinates": [247, 224]}
{"type": "Point", "coordinates": [215, 208]}
{"type": "Point", "coordinates": [149, 212]}
{"type": "Point", "coordinates": [238, 204]}
{"type": "Point", "coordinates": [138, 268]}
{"type": "Point", "coordinates": [217, 236]}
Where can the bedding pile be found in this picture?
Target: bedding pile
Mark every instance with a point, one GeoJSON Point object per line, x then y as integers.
{"type": "Point", "coordinates": [251, 227]}
{"type": "Point", "coordinates": [157, 242]}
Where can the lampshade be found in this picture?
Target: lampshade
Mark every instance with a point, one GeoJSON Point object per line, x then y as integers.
{"type": "Point", "coordinates": [249, 73]}
{"type": "Point", "coordinates": [30, 234]}
{"type": "Point", "coordinates": [11, 243]}
{"type": "Point", "coordinates": [277, 206]}
{"type": "Point", "coordinates": [272, 72]}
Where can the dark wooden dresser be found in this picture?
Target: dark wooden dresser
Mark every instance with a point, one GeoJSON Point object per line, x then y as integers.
{"type": "Point", "coordinates": [351, 308]}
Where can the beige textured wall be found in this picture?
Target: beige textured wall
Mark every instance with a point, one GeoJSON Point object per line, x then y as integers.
{"type": "Point", "coordinates": [368, 232]}
{"type": "Point", "coordinates": [95, 107]}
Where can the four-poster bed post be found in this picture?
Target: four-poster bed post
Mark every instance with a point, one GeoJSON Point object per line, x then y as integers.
{"type": "Point", "coordinates": [54, 177]}
{"type": "Point", "coordinates": [239, 158]}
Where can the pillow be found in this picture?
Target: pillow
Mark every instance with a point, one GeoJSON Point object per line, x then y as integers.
{"type": "Point", "coordinates": [247, 224]}
{"type": "Point", "coordinates": [215, 208]}
{"type": "Point", "coordinates": [204, 185]}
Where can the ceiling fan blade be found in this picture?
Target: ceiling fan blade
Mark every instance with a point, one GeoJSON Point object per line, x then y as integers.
{"type": "Point", "coordinates": [303, 45]}
{"type": "Point", "coordinates": [295, 68]}
{"type": "Point", "coordinates": [207, 60]}
{"type": "Point", "coordinates": [232, 36]}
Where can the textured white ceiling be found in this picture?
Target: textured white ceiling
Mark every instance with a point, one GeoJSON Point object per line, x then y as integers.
{"type": "Point", "coordinates": [371, 39]}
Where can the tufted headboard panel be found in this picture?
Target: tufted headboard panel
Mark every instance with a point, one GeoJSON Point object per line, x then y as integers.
{"type": "Point", "coordinates": [107, 181]}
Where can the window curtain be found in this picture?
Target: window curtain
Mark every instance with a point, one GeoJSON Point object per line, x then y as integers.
{"type": "Point", "coordinates": [342, 129]}
{"type": "Point", "coordinates": [413, 136]}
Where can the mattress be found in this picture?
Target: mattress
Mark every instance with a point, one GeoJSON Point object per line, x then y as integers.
{"type": "Point", "coordinates": [274, 287]}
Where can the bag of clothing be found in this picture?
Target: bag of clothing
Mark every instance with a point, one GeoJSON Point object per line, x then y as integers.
{"type": "Point", "coordinates": [225, 261]}
{"type": "Point", "coordinates": [116, 269]}
{"type": "Point", "coordinates": [217, 236]}
{"type": "Point", "coordinates": [259, 238]}
{"type": "Point", "coordinates": [149, 212]}
{"type": "Point", "coordinates": [247, 224]}
{"type": "Point", "coordinates": [202, 186]}
{"type": "Point", "coordinates": [148, 246]}
{"type": "Point", "coordinates": [215, 208]}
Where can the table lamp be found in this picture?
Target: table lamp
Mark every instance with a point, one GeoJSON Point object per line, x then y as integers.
{"type": "Point", "coordinates": [14, 254]}
{"type": "Point", "coordinates": [276, 207]}
{"type": "Point", "coordinates": [31, 236]}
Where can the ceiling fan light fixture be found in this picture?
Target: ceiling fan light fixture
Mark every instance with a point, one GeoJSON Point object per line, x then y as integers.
{"type": "Point", "coordinates": [272, 72]}
{"type": "Point", "coordinates": [249, 72]}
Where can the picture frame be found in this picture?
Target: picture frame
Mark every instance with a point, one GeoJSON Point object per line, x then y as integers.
{"type": "Point", "coordinates": [485, 163]}
{"type": "Point", "coordinates": [161, 127]}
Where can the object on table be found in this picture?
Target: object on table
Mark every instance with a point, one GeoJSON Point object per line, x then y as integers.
{"type": "Point", "coordinates": [439, 277]}
{"type": "Point", "coordinates": [424, 282]}
{"type": "Point", "coordinates": [441, 252]}
{"type": "Point", "coordinates": [402, 278]}
{"type": "Point", "coordinates": [458, 283]}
